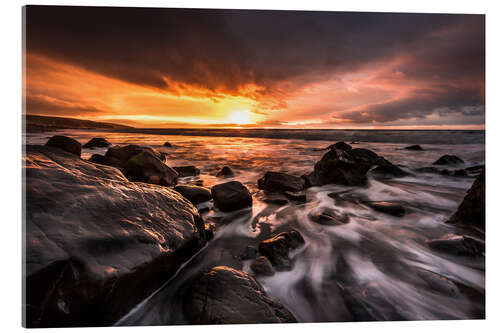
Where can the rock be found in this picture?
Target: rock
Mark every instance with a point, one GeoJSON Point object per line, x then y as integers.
{"type": "Point", "coordinates": [298, 197]}
{"type": "Point", "coordinates": [389, 170]}
{"type": "Point", "coordinates": [457, 245]}
{"type": "Point", "coordinates": [231, 196]}
{"type": "Point", "coordinates": [341, 145]}
{"type": "Point", "coordinates": [97, 143]}
{"type": "Point", "coordinates": [448, 159]}
{"type": "Point", "coordinates": [274, 198]}
{"type": "Point", "coordinates": [124, 153]}
{"type": "Point", "coordinates": [209, 231]}
{"type": "Point", "coordinates": [225, 172]}
{"type": "Point", "coordinates": [471, 211]}
{"type": "Point", "coordinates": [262, 266]}
{"type": "Point", "coordinates": [146, 167]}
{"type": "Point", "coordinates": [475, 168]}
{"type": "Point", "coordinates": [414, 147]}
{"type": "Point", "coordinates": [277, 248]}
{"type": "Point", "coordinates": [228, 296]}
{"type": "Point", "coordinates": [428, 170]}
{"type": "Point", "coordinates": [249, 253]}
{"type": "Point", "coordinates": [344, 167]}
{"type": "Point", "coordinates": [280, 182]}
{"type": "Point", "coordinates": [167, 144]}
{"type": "Point", "coordinates": [387, 207]}
{"type": "Point", "coordinates": [460, 173]}
{"type": "Point", "coordinates": [328, 217]}
{"type": "Point", "coordinates": [101, 159]}
{"type": "Point", "coordinates": [96, 243]}
{"type": "Point", "coordinates": [67, 144]}
{"type": "Point", "coordinates": [195, 194]}
{"type": "Point", "coordinates": [438, 282]}
{"type": "Point", "coordinates": [187, 171]}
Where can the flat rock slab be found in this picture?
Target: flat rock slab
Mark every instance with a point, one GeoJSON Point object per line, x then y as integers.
{"type": "Point", "coordinates": [228, 296]}
{"type": "Point", "coordinates": [96, 243]}
{"type": "Point", "coordinates": [387, 207]}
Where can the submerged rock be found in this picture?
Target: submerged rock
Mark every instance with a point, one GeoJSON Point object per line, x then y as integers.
{"type": "Point", "coordinates": [280, 182]}
{"type": "Point", "coordinates": [67, 144]}
{"type": "Point", "coordinates": [328, 217]}
{"type": "Point", "coordinates": [228, 296]}
{"type": "Point", "coordinates": [414, 147]}
{"type": "Point", "coordinates": [187, 171]}
{"type": "Point", "coordinates": [195, 194]}
{"type": "Point", "coordinates": [262, 266]}
{"type": "Point", "coordinates": [341, 145]}
{"type": "Point", "coordinates": [344, 167]}
{"type": "Point", "coordinates": [97, 143]}
{"type": "Point", "coordinates": [387, 207]}
{"type": "Point", "coordinates": [96, 243]}
{"type": "Point", "coordinates": [448, 159]}
{"type": "Point", "coordinates": [277, 248]}
{"type": "Point", "coordinates": [471, 211]}
{"type": "Point", "coordinates": [297, 197]}
{"type": "Point", "coordinates": [231, 196]}
{"type": "Point", "coordinates": [457, 245]}
{"type": "Point", "coordinates": [225, 172]}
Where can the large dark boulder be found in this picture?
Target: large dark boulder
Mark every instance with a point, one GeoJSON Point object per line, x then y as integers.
{"type": "Point", "coordinates": [187, 171]}
{"type": "Point", "coordinates": [341, 145]}
{"type": "Point", "coordinates": [344, 167]}
{"type": "Point", "coordinates": [67, 144]}
{"type": "Point", "coordinates": [448, 159]}
{"type": "Point", "coordinates": [228, 296]}
{"type": "Point", "coordinates": [225, 172]}
{"type": "Point", "coordinates": [280, 182]}
{"type": "Point", "coordinates": [231, 196]}
{"type": "Point", "coordinates": [195, 194]}
{"type": "Point", "coordinates": [458, 245]}
{"type": "Point", "coordinates": [277, 248]}
{"type": "Point", "coordinates": [471, 211]}
{"type": "Point", "coordinates": [97, 143]}
{"type": "Point", "coordinates": [97, 244]}
{"type": "Point", "coordinates": [146, 167]}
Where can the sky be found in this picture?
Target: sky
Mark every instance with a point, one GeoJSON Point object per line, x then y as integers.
{"type": "Point", "coordinates": [168, 68]}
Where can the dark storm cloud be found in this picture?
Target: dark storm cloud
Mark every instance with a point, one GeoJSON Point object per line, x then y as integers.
{"type": "Point", "coordinates": [45, 105]}
{"type": "Point", "coordinates": [222, 51]}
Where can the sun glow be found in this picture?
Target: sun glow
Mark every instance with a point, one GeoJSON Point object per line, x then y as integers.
{"type": "Point", "coordinates": [240, 117]}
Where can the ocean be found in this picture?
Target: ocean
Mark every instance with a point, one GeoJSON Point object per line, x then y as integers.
{"type": "Point", "coordinates": [385, 255]}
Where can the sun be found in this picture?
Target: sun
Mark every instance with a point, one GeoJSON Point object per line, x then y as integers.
{"type": "Point", "coordinates": [240, 117]}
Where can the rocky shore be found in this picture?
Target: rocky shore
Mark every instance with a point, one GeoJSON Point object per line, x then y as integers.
{"type": "Point", "coordinates": [103, 234]}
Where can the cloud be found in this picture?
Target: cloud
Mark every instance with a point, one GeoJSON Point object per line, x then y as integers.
{"type": "Point", "coordinates": [273, 56]}
{"type": "Point", "coordinates": [45, 105]}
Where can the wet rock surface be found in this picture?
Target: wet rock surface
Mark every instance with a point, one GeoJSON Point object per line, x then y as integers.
{"type": "Point", "coordinates": [225, 172]}
{"type": "Point", "coordinates": [387, 207]}
{"type": "Point", "coordinates": [187, 171]}
{"type": "Point", "coordinates": [228, 296]}
{"type": "Point", "coordinates": [231, 196]}
{"type": "Point", "coordinates": [195, 194]}
{"type": "Point", "coordinates": [97, 244]}
{"type": "Point", "coordinates": [448, 160]}
{"type": "Point", "coordinates": [262, 266]}
{"type": "Point", "coordinates": [458, 245]}
{"type": "Point", "coordinates": [65, 143]}
{"type": "Point", "coordinates": [277, 248]}
{"type": "Point", "coordinates": [471, 211]}
{"type": "Point", "coordinates": [97, 143]}
{"type": "Point", "coordinates": [280, 182]}
{"type": "Point", "coordinates": [341, 145]}
{"type": "Point", "coordinates": [413, 147]}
